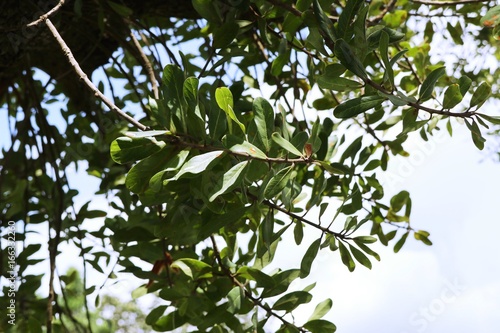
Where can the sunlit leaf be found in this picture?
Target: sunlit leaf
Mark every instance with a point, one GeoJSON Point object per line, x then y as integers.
{"type": "Point", "coordinates": [285, 144]}
{"type": "Point", "coordinates": [229, 180]}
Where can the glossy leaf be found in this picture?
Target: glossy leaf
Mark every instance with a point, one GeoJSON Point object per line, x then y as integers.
{"type": "Point", "coordinates": [324, 22]}
{"type": "Point", "coordinates": [346, 17]}
{"type": "Point", "coordinates": [427, 87]}
{"type": "Point", "coordinates": [452, 96]}
{"type": "Point", "coordinates": [321, 309]}
{"type": "Point", "coordinates": [384, 54]}
{"type": "Point", "coordinates": [229, 180]}
{"type": "Point", "coordinates": [480, 95]}
{"type": "Point", "coordinates": [348, 58]}
{"type": "Point", "coordinates": [247, 148]}
{"type": "Point", "coordinates": [291, 301]}
{"type": "Point", "coordinates": [422, 236]}
{"type": "Point", "coordinates": [234, 298]}
{"type": "Point", "coordinates": [360, 257]}
{"type": "Point", "coordinates": [355, 106]}
{"type": "Point", "coordinates": [401, 242]}
{"type": "Point", "coordinates": [278, 182]}
{"type": "Point", "coordinates": [464, 82]}
{"type": "Point", "coordinates": [346, 257]}
{"type": "Point", "coordinates": [199, 163]}
{"type": "Point", "coordinates": [125, 150]}
{"type": "Point", "coordinates": [320, 326]}
{"type": "Point", "coordinates": [224, 99]}
{"type": "Point", "coordinates": [138, 177]}
{"type": "Point", "coordinates": [283, 143]}
{"type": "Point", "coordinates": [308, 259]}
{"type": "Point", "coordinates": [264, 120]}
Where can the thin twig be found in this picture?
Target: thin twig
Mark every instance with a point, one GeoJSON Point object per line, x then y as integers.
{"type": "Point", "coordinates": [46, 16]}
{"type": "Point", "coordinates": [147, 65]}
{"type": "Point", "coordinates": [256, 301]}
{"type": "Point", "coordinates": [87, 81]}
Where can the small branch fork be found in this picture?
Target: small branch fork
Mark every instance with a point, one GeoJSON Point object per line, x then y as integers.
{"type": "Point", "coordinates": [255, 300]}
{"type": "Point", "coordinates": [69, 55]}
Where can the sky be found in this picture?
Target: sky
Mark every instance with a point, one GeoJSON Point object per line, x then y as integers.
{"type": "Point", "coordinates": [451, 286]}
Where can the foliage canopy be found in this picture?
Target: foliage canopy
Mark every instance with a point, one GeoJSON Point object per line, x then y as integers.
{"type": "Point", "coordinates": [254, 121]}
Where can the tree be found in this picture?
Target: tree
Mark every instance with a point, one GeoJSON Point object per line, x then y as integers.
{"type": "Point", "coordinates": [235, 145]}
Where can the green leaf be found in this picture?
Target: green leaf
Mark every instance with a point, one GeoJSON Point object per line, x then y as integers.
{"type": "Point", "coordinates": [355, 106]}
{"type": "Point", "coordinates": [225, 34]}
{"type": "Point", "coordinates": [430, 82]}
{"type": "Point", "coordinates": [422, 236]}
{"type": "Point", "coordinates": [493, 120]}
{"type": "Point", "coordinates": [337, 83]}
{"type": "Point", "coordinates": [234, 298]}
{"type": "Point", "coordinates": [138, 177]}
{"type": "Point", "coordinates": [207, 10]}
{"type": "Point", "coordinates": [475, 132]}
{"type": "Point", "coordinates": [263, 280]}
{"type": "Point", "coordinates": [193, 268]}
{"type": "Point", "coordinates": [464, 82]}
{"type": "Point", "coordinates": [321, 309]}
{"type": "Point", "coordinates": [360, 257]}
{"type": "Point", "coordinates": [456, 32]}
{"type": "Point", "coordinates": [298, 232]}
{"type": "Point", "coordinates": [491, 18]}
{"type": "Point", "coordinates": [267, 229]}
{"type": "Point", "coordinates": [285, 144]}
{"type": "Point", "coordinates": [384, 54]}
{"type": "Point", "coordinates": [399, 200]}
{"type": "Point", "coordinates": [480, 95]}
{"type": "Point", "coordinates": [308, 259]}
{"type": "Point", "coordinates": [324, 22]}
{"type": "Point", "coordinates": [173, 82]}
{"type": "Point", "coordinates": [229, 180]}
{"type": "Point", "coordinates": [264, 120]}
{"type": "Point", "coordinates": [452, 96]}
{"type": "Point", "coordinates": [247, 148]}
{"type": "Point", "coordinates": [348, 58]}
{"type": "Point", "coordinates": [375, 34]}
{"type": "Point", "coordinates": [199, 163]}
{"type": "Point", "coordinates": [291, 301]}
{"type": "Point", "coordinates": [346, 257]}
{"type": "Point", "coordinates": [125, 150]}
{"type": "Point", "coordinates": [366, 249]}
{"type": "Point", "coordinates": [146, 134]}
{"type": "Point", "coordinates": [169, 322]}
{"type": "Point", "coordinates": [278, 182]}
{"type": "Point", "coordinates": [401, 242]}
{"type": "Point", "coordinates": [224, 99]}
{"type": "Point", "coordinates": [320, 326]}
{"type": "Point", "coordinates": [350, 10]}
{"type": "Point", "coordinates": [155, 314]}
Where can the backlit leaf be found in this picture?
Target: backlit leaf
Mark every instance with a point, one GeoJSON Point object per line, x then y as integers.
{"type": "Point", "coordinates": [229, 180]}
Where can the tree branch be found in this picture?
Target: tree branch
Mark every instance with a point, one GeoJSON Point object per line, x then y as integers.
{"type": "Point", "coordinates": [45, 16]}
{"type": "Point", "coordinates": [147, 65]}
{"type": "Point", "coordinates": [85, 78]}
{"type": "Point", "coordinates": [248, 294]}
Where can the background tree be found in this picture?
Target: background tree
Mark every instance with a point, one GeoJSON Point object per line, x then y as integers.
{"type": "Point", "coordinates": [232, 144]}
